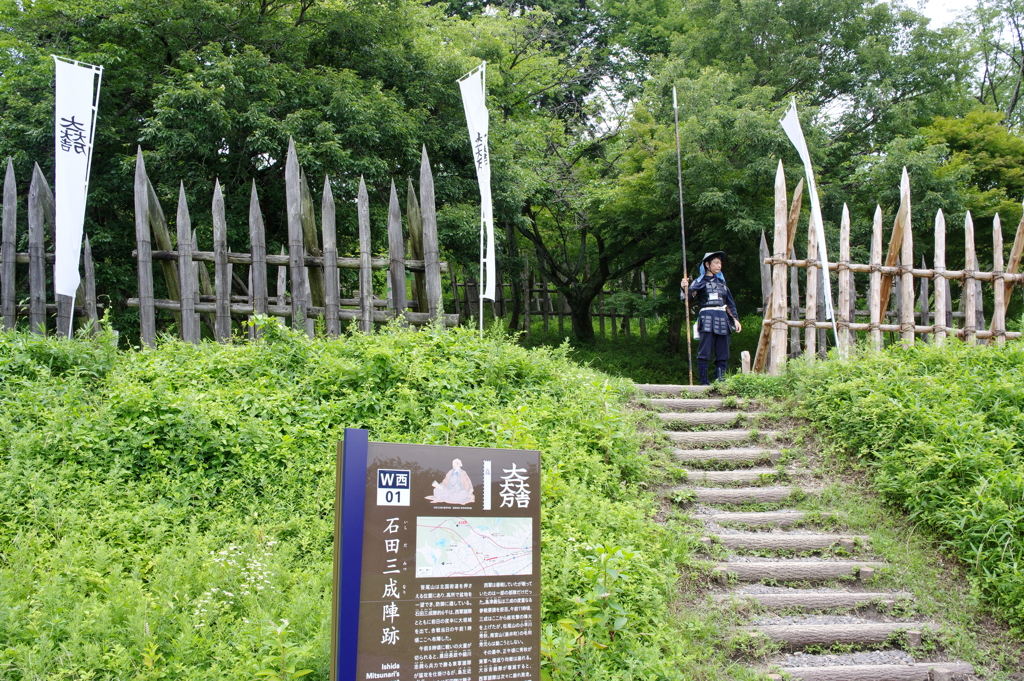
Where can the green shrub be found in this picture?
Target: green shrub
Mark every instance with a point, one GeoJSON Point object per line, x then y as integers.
{"type": "Point", "coordinates": [942, 430]}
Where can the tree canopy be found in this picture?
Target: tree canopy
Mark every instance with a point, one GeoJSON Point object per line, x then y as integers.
{"type": "Point", "coordinates": [580, 95]}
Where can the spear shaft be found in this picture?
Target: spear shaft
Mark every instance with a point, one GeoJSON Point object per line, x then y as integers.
{"type": "Point", "coordinates": [682, 229]}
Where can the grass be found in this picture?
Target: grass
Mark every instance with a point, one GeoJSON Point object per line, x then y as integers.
{"type": "Point", "coordinates": [168, 513]}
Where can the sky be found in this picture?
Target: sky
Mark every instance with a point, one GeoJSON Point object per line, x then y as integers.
{"type": "Point", "coordinates": [942, 12]}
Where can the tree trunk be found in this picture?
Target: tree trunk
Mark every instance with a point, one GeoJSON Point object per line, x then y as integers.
{"type": "Point", "coordinates": [579, 312]}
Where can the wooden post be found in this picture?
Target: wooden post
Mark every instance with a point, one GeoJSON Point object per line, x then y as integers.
{"type": "Point", "coordinates": [907, 260]}
{"type": "Point", "coordinates": [999, 308]}
{"type": "Point", "coordinates": [875, 285]}
{"type": "Point", "coordinates": [923, 300]}
{"type": "Point", "coordinates": [745, 362]}
{"type": "Point", "coordinates": [315, 274]}
{"type": "Point", "coordinates": [778, 315]}
{"type": "Point", "coordinates": [843, 321]}
{"type": "Point", "coordinates": [296, 252]}
{"type": "Point", "coordinates": [766, 272]}
{"type": "Point", "coordinates": [36, 255]}
{"type": "Point", "coordinates": [563, 309]}
{"type": "Point", "coordinates": [89, 298]}
{"type": "Point", "coordinates": [811, 295]}
{"type": "Point", "coordinates": [941, 284]}
{"type": "Point", "coordinates": [643, 319]}
{"type": "Point", "coordinates": [365, 253]}
{"type": "Point", "coordinates": [528, 308]}
{"type": "Point", "coordinates": [970, 293]}
{"type": "Point", "coordinates": [332, 285]}
{"type": "Point", "coordinates": [189, 324]}
{"type": "Point", "coordinates": [896, 241]}
{"type": "Point", "coordinates": [419, 280]}
{"type": "Point", "coordinates": [459, 307]}
{"type": "Point", "coordinates": [431, 255]}
{"type": "Point", "coordinates": [545, 300]}
{"type": "Point", "coordinates": [147, 310]}
{"type": "Point", "coordinates": [221, 275]}
{"type": "Point", "coordinates": [282, 284]}
{"type": "Point", "coordinates": [761, 358]}
{"type": "Point", "coordinates": [396, 251]}
{"type": "Point", "coordinates": [162, 241]}
{"type": "Point", "coordinates": [8, 249]}
{"type": "Point", "coordinates": [794, 307]}
{"type": "Point", "coordinates": [258, 247]}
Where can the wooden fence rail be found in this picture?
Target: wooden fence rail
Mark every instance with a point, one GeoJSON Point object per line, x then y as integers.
{"type": "Point", "coordinates": [310, 273]}
{"type": "Point", "coordinates": [931, 303]}
{"type": "Point", "coordinates": [41, 227]}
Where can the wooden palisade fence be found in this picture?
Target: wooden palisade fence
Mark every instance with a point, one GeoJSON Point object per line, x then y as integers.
{"type": "Point", "coordinates": [40, 225]}
{"type": "Point", "coordinates": [782, 316]}
{"type": "Point", "coordinates": [307, 276]}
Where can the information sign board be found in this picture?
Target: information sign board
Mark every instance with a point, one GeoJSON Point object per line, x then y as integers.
{"type": "Point", "coordinates": [437, 563]}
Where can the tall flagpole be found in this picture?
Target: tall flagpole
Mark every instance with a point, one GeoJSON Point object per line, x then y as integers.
{"type": "Point", "coordinates": [682, 229]}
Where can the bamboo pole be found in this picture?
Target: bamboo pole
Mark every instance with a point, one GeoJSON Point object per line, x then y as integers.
{"type": "Point", "coordinates": [999, 309]}
{"type": "Point", "coordinates": [296, 253]}
{"type": "Point", "coordinates": [875, 285]}
{"type": "Point", "coordinates": [843, 335]}
{"type": "Point", "coordinates": [332, 285]}
{"type": "Point", "coordinates": [396, 252]}
{"type": "Point", "coordinates": [778, 314]}
{"type": "Point", "coordinates": [365, 273]}
{"type": "Point", "coordinates": [8, 239]}
{"type": "Point", "coordinates": [941, 284]}
{"type": "Point", "coordinates": [189, 324]}
{"type": "Point", "coordinates": [970, 293]}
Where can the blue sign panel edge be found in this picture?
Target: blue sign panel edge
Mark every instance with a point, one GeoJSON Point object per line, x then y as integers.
{"type": "Point", "coordinates": [353, 502]}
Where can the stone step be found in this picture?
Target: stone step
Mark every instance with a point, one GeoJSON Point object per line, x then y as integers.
{"type": "Point", "coordinates": [720, 437]}
{"type": "Point", "coordinates": [685, 404]}
{"type": "Point", "coordinates": [701, 418]}
{"type": "Point", "coordinates": [922, 671]}
{"type": "Point", "coordinates": [744, 495]}
{"type": "Point", "coordinates": [760, 518]}
{"type": "Point", "coordinates": [805, 599]}
{"type": "Point", "coordinates": [668, 389]}
{"type": "Point", "coordinates": [734, 455]}
{"type": "Point", "coordinates": [802, 635]}
{"type": "Point", "coordinates": [778, 541]}
{"type": "Point", "coordinates": [796, 570]}
{"type": "Point", "coordinates": [740, 475]}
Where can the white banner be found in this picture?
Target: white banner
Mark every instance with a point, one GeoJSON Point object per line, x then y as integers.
{"type": "Point", "coordinates": [791, 124]}
{"type": "Point", "coordinates": [472, 86]}
{"type": "Point", "coordinates": [78, 91]}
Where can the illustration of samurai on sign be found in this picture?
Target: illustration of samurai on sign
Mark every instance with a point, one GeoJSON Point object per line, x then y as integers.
{"type": "Point", "coordinates": [456, 488]}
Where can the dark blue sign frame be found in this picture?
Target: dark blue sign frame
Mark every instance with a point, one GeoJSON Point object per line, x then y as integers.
{"type": "Point", "coordinates": [355, 449]}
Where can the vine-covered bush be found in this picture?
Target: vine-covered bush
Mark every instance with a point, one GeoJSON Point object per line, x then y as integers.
{"type": "Point", "coordinates": [168, 513]}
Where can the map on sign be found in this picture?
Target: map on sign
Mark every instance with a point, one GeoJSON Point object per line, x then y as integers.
{"type": "Point", "coordinates": [473, 547]}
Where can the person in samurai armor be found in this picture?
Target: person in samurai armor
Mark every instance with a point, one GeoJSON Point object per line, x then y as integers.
{"type": "Point", "coordinates": [716, 315]}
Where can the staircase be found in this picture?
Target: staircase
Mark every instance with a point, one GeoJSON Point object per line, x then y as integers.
{"type": "Point", "coordinates": [808, 593]}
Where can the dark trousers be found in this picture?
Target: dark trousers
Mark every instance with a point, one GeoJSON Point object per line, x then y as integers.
{"type": "Point", "coordinates": [719, 345]}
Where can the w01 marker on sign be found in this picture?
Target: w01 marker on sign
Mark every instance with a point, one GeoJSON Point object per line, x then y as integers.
{"type": "Point", "coordinates": [432, 581]}
{"type": "Point", "coordinates": [76, 101]}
